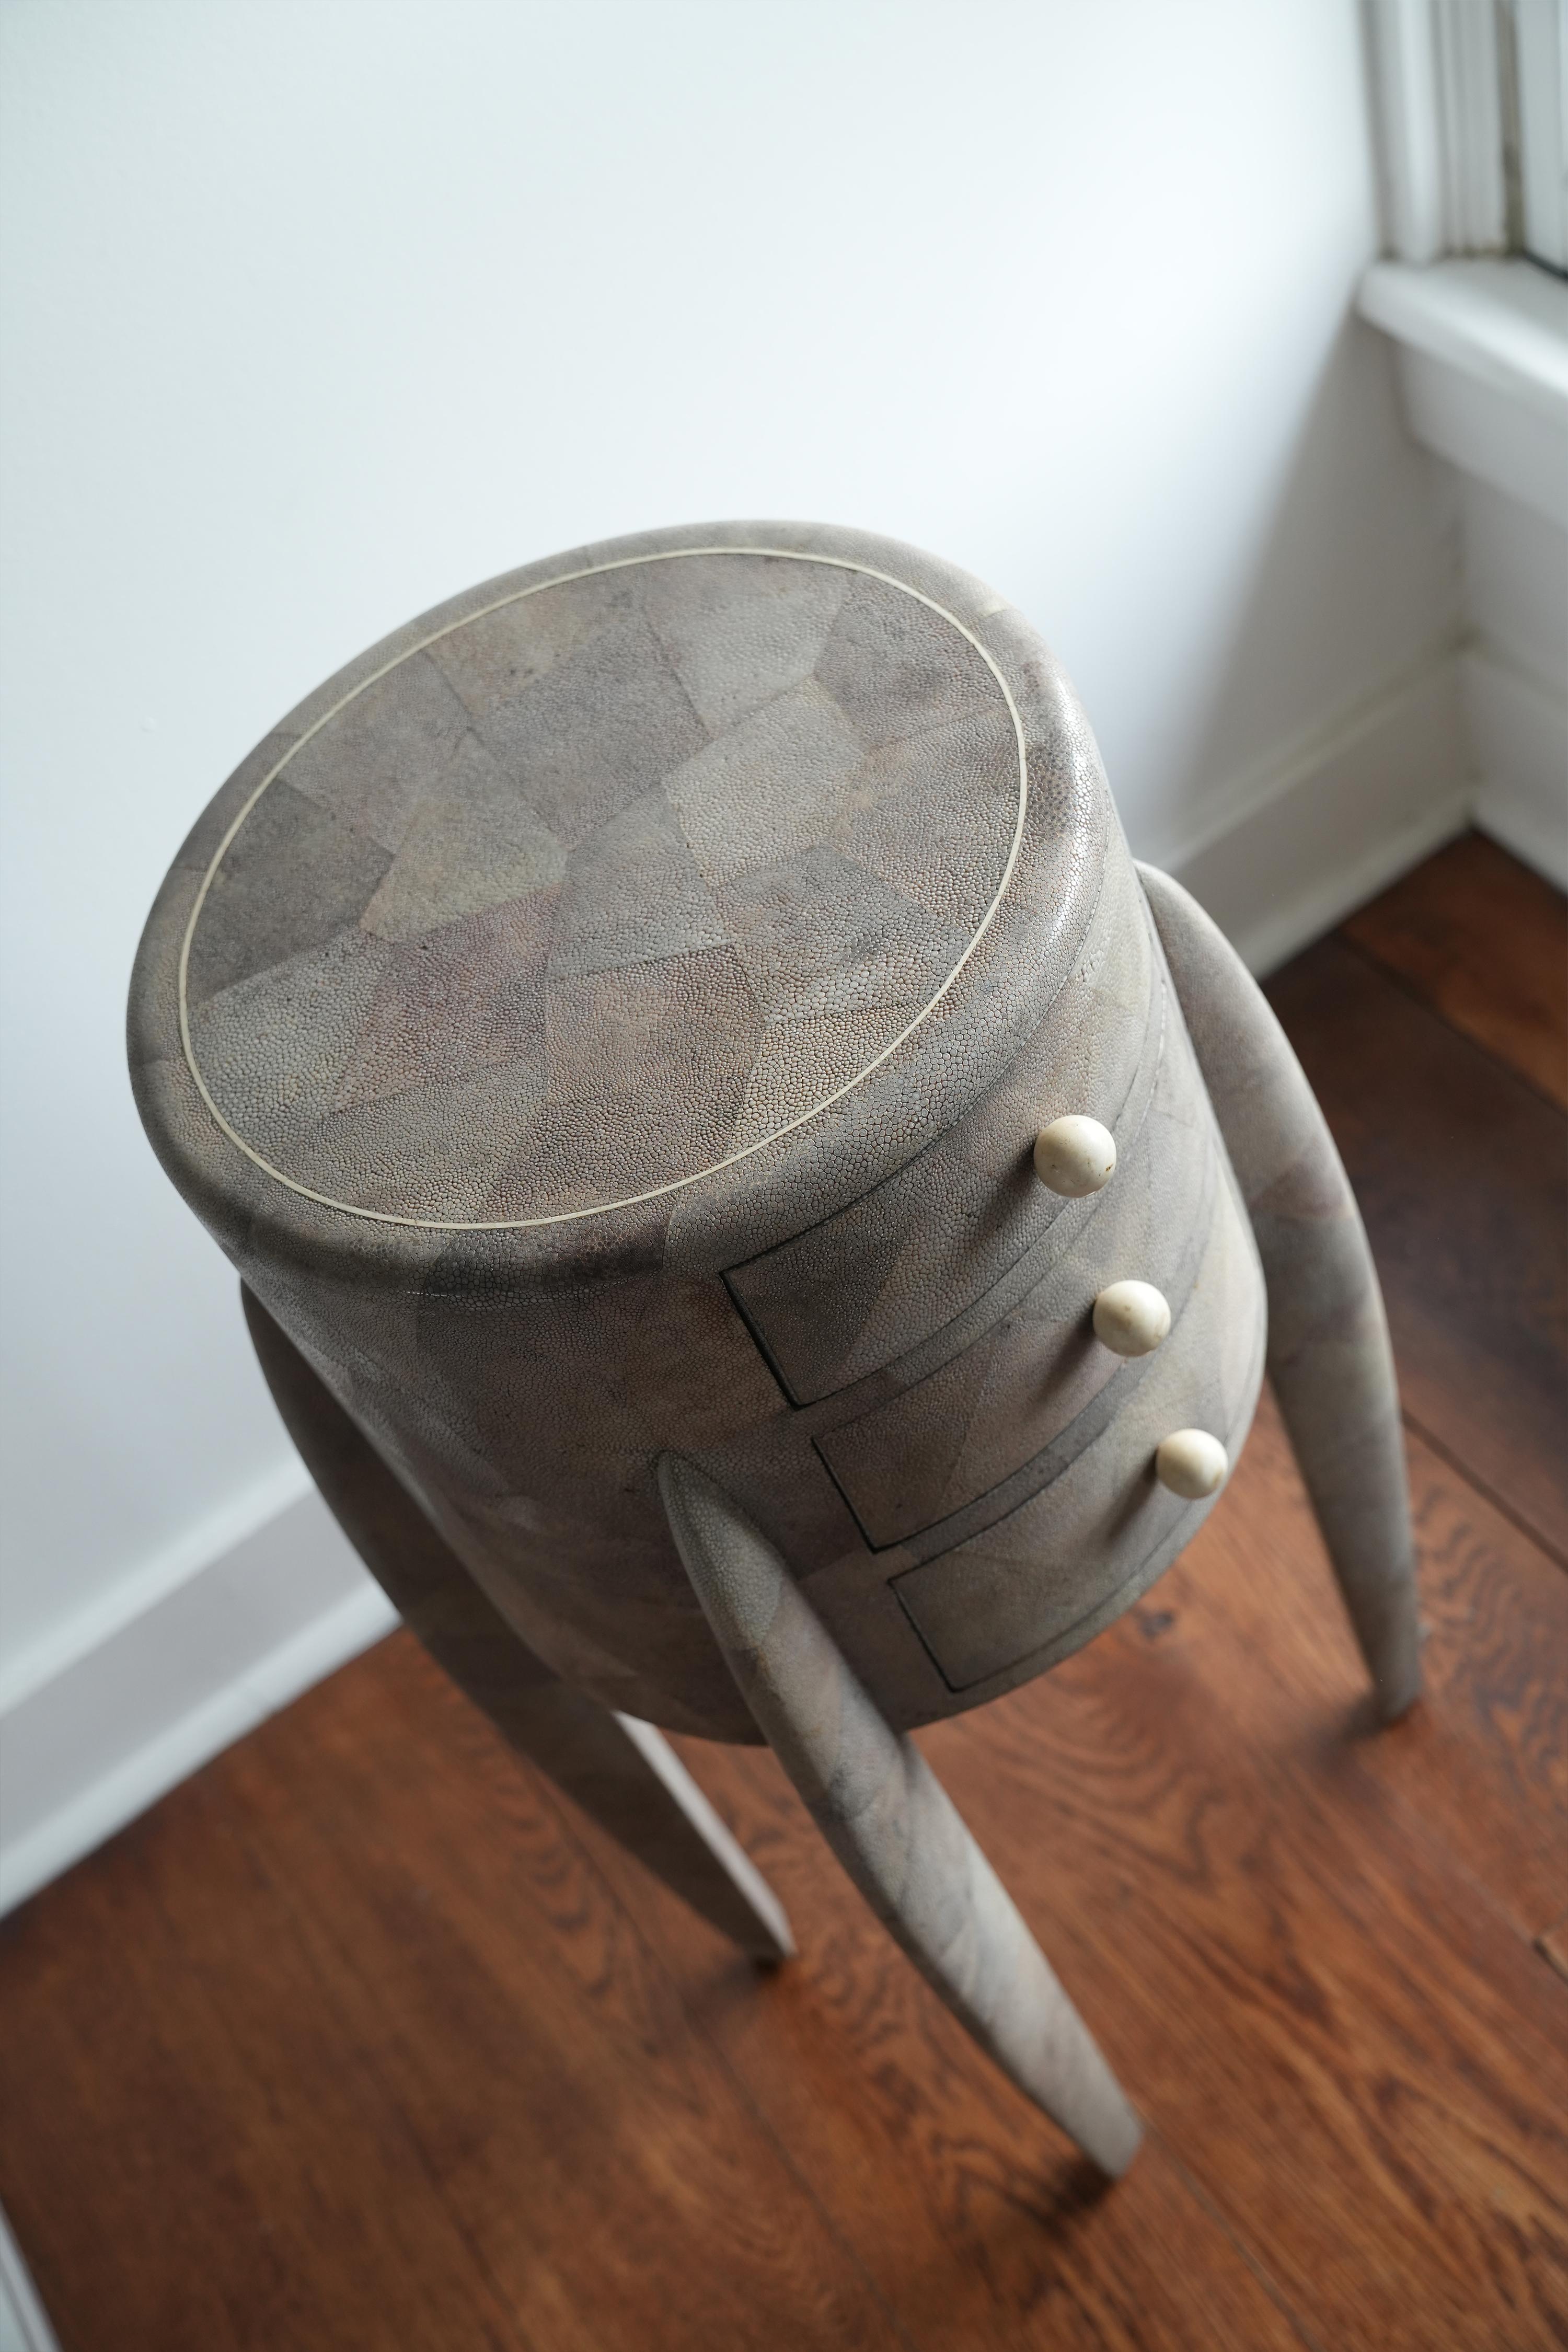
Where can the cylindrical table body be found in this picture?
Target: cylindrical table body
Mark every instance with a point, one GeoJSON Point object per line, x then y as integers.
{"type": "Point", "coordinates": [614, 1016]}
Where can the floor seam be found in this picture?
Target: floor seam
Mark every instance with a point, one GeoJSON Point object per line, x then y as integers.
{"type": "Point", "coordinates": [1487, 1494]}
{"type": "Point", "coordinates": [1409, 989]}
{"type": "Point", "coordinates": [1274, 2293]}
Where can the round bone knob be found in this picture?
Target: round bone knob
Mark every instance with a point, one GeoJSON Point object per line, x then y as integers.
{"type": "Point", "coordinates": [1074, 1155]}
{"type": "Point", "coordinates": [1130, 1318]}
{"type": "Point", "coordinates": [1192, 1463]}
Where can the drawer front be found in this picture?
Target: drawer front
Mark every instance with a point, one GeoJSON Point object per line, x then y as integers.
{"type": "Point", "coordinates": [1028, 1589]}
{"type": "Point", "coordinates": [854, 1293]}
{"type": "Point", "coordinates": [1020, 1388]}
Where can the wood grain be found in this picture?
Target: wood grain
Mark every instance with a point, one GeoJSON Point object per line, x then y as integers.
{"type": "Point", "coordinates": [1459, 1169]}
{"type": "Point", "coordinates": [1485, 942]}
{"type": "Point", "coordinates": [384, 2065]}
{"type": "Point", "coordinates": [1552, 1946]}
{"type": "Point", "coordinates": [585, 2136]}
{"type": "Point", "coordinates": [1484, 1760]}
{"type": "Point", "coordinates": [1334, 2021]}
{"type": "Point", "coordinates": [1386, 2082]}
{"type": "Point", "coordinates": [194, 2154]}
{"type": "Point", "coordinates": [363, 2039]}
{"type": "Point", "coordinates": [976, 2221]}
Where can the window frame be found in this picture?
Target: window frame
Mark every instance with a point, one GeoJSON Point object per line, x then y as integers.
{"type": "Point", "coordinates": [1471, 99]}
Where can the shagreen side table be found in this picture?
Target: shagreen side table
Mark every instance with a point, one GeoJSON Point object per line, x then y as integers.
{"type": "Point", "coordinates": [761, 1219]}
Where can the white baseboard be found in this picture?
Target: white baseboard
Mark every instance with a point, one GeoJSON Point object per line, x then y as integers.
{"type": "Point", "coordinates": [1520, 729]}
{"type": "Point", "coordinates": [190, 1651]}
{"type": "Point", "coordinates": [1278, 857]}
{"type": "Point", "coordinates": [100, 1722]}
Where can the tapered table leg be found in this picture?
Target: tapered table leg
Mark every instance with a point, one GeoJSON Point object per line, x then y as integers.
{"type": "Point", "coordinates": [623, 1773]}
{"type": "Point", "coordinates": [1329, 1353]}
{"type": "Point", "coordinates": [891, 1823]}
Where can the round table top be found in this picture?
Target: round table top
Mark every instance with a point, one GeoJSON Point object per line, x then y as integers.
{"type": "Point", "coordinates": [603, 885]}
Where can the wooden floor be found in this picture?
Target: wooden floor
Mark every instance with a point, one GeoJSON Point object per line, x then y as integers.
{"type": "Point", "coordinates": [360, 2039]}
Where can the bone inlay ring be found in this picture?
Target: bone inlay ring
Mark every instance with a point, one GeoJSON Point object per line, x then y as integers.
{"type": "Point", "coordinates": [1130, 1318]}
{"type": "Point", "coordinates": [1192, 1463]}
{"type": "Point", "coordinates": [1074, 1155]}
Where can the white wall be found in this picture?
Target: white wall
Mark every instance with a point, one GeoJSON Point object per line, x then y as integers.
{"type": "Point", "coordinates": [315, 313]}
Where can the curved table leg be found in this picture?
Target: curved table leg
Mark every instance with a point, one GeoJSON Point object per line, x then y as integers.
{"type": "Point", "coordinates": [623, 1773]}
{"type": "Point", "coordinates": [1328, 1354]}
{"type": "Point", "coordinates": [891, 1823]}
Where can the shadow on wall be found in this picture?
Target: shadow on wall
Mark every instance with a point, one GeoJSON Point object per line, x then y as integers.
{"type": "Point", "coordinates": [1278, 836]}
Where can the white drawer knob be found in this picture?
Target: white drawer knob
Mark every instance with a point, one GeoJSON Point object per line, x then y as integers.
{"type": "Point", "coordinates": [1192, 1463]}
{"type": "Point", "coordinates": [1130, 1318]}
{"type": "Point", "coordinates": [1074, 1155]}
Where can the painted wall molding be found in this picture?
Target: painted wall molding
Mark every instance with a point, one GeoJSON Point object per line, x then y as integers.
{"type": "Point", "coordinates": [1519, 727]}
{"type": "Point", "coordinates": [1278, 853]}
{"type": "Point", "coordinates": [138, 1590]}
{"type": "Point", "coordinates": [1482, 352]}
{"type": "Point", "coordinates": [194, 1649]}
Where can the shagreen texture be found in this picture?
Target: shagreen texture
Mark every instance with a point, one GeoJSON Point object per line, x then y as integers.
{"type": "Point", "coordinates": [891, 1823]}
{"type": "Point", "coordinates": [690, 1000]}
{"type": "Point", "coordinates": [622, 1773]}
{"type": "Point", "coordinates": [1329, 1353]}
{"type": "Point", "coordinates": [615, 1015]}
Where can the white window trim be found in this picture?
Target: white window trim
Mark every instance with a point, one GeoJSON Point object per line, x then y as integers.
{"type": "Point", "coordinates": [1503, 322]}
{"type": "Point", "coordinates": [1472, 116]}
{"type": "Point", "coordinates": [1538, 31]}
{"type": "Point", "coordinates": [1483, 368]}
{"type": "Point", "coordinates": [1440, 97]}
{"type": "Point", "coordinates": [1483, 332]}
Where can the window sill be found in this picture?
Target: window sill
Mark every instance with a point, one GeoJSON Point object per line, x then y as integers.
{"type": "Point", "coordinates": [1483, 365]}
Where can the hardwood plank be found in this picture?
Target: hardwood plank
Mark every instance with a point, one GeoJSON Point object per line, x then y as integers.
{"type": "Point", "coordinates": [1041, 2247]}
{"type": "Point", "coordinates": [1552, 1946]}
{"type": "Point", "coordinates": [1461, 1171]}
{"type": "Point", "coordinates": [380, 2066]}
{"type": "Point", "coordinates": [1484, 1758]}
{"type": "Point", "coordinates": [1279, 1927]}
{"type": "Point", "coordinates": [1364, 2067]}
{"type": "Point", "coordinates": [1348, 1990]}
{"type": "Point", "coordinates": [362, 2039]}
{"type": "Point", "coordinates": [192, 2153]}
{"type": "Point", "coordinates": [1319, 2025]}
{"type": "Point", "coordinates": [1485, 942]}
{"type": "Point", "coordinates": [575, 2071]}
{"type": "Point", "coordinates": [1024, 2244]}
{"type": "Point", "coordinates": [368, 1884]}
{"type": "Point", "coordinates": [977, 2221]}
